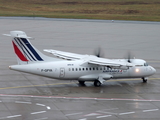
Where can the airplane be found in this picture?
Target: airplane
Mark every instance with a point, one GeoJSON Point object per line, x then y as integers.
{"type": "Point", "coordinates": [71, 66]}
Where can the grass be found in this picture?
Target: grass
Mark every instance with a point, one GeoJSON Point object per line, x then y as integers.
{"type": "Point", "coordinates": [142, 10]}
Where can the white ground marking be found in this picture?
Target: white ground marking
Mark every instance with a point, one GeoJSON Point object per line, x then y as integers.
{"type": "Point", "coordinates": [40, 104]}
{"type": "Point", "coordinates": [73, 114]}
{"type": "Point", "coordinates": [126, 113]}
{"type": "Point", "coordinates": [92, 114]}
{"type": "Point", "coordinates": [48, 107]}
{"type": "Point", "coordinates": [108, 112]}
{"type": "Point", "coordinates": [38, 112]}
{"type": "Point", "coordinates": [13, 116]}
{"type": "Point", "coordinates": [150, 110]}
{"type": "Point", "coordinates": [43, 106]}
{"type": "Point", "coordinates": [23, 102]}
{"type": "Point", "coordinates": [83, 119]}
{"type": "Point", "coordinates": [10, 117]}
{"type": "Point", "coordinates": [42, 118]}
{"type": "Point", "coordinates": [103, 116]}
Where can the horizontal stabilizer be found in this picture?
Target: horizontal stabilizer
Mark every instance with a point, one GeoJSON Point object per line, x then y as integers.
{"type": "Point", "coordinates": [17, 34]}
{"type": "Point", "coordinates": [7, 35]}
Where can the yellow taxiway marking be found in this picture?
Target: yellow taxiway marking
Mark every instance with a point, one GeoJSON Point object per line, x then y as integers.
{"type": "Point", "coordinates": [69, 83]}
{"type": "Point", "coordinates": [34, 86]}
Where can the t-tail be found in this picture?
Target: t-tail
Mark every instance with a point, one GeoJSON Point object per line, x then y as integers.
{"type": "Point", "coordinates": [25, 51]}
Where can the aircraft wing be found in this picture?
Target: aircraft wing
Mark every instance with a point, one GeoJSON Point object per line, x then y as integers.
{"type": "Point", "coordinates": [64, 55]}
{"type": "Point", "coordinates": [110, 63]}
{"type": "Point", "coordinates": [104, 62]}
{"type": "Point", "coordinates": [91, 59]}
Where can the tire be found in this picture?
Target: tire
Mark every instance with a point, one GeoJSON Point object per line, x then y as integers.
{"type": "Point", "coordinates": [144, 80]}
{"type": "Point", "coordinates": [82, 82]}
{"type": "Point", "coordinates": [97, 83]}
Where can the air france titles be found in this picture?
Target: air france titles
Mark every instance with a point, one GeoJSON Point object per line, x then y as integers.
{"type": "Point", "coordinates": [114, 71]}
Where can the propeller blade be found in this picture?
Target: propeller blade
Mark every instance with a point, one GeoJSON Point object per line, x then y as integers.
{"type": "Point", "coordinates": [129, 57]}
{"type": "Point", "coordinates": [99, 52]}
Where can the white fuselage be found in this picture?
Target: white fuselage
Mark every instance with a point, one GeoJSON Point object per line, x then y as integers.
{"type": "Point", "coordinates": [74, 66]}
{"type": "Point", "coordinates": [78, 70]}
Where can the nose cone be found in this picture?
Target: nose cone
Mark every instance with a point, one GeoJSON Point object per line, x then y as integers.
{"type": "Point", "coordinates": [153, 70]}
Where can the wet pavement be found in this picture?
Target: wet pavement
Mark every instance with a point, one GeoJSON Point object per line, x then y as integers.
{"type": "Point", "coordinates": [30, 97]}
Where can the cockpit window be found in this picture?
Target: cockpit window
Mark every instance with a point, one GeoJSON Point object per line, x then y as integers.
{"type": "Point", "coordinates": [145, 64]}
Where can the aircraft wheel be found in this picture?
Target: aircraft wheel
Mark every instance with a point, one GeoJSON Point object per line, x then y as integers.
{"type": "Point", "coordinates": [144, 80]}
{"type": "Point", "coordinates": [97, 83]}
{"type": "Point", "coordinates": [81, 82]}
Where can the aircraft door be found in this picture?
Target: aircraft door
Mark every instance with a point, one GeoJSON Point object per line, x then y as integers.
{"type": "Point", "coordinates": [62, 73]}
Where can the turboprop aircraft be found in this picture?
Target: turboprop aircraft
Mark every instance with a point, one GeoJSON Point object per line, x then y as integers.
{"type": "Point", "coordinates": [71, 66]}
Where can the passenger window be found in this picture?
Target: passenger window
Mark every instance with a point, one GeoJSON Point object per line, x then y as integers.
{"type": "Point", "coordinates": [79, 69]}
{"type": "Point", "coordinates": [90, 69]}
{"type": "Point", "coordinates": [93, 68]}
{"type": "Point", "coordinates": [76, 69]}
{"type": "Point", "coordinates": [69, 69]}
{"type": "Point", "coordinates": [83, 69]}
{"type": "Point", "coordinates": [86, 68]}
{"type": "Point", "coordinates": [72, 69]}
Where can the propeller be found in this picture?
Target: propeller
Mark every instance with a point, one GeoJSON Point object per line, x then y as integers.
{"type": "Point", "coordinates": [129, 57]}
{"type": "Point", "coordinates": [99, 52]}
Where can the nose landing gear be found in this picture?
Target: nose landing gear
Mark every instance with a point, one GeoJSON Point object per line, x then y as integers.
{"type": "Point", "coordinates": [144, 79]}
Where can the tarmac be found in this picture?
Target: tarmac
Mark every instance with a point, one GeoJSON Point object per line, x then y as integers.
{"type": "Point", "coordinates": [30, 97]}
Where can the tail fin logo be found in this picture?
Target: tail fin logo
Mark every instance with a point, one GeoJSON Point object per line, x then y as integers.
{"type": "Point", "coordinates": [25, 51]}
{"type": "Point", "coordinates": [19, 53]}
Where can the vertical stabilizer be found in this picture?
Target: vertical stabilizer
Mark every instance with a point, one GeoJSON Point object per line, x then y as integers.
{"type": "Point", "coordinates": [25, 51]}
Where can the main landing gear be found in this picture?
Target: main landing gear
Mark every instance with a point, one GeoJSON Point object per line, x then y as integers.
{"type": "Point", "coordinates": [82, 83]}
{"type": "Point", "coordinates": [97, 83]}
{"type": "Point", "coordinates": [144, 79]}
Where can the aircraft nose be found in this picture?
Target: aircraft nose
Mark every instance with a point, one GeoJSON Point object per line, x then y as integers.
{"type": "Point", "coordinates": [153, 70]}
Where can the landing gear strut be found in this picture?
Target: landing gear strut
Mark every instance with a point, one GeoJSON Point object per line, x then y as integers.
{"type": "Point", "coordinates": [82, 83]}
{"type": "Point", "coordinates": [97, 83]}
{"type": "Point", "coordinates": [144, 80]}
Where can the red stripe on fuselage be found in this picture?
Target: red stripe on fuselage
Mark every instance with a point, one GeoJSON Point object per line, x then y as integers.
{"type": "Point", "coordinates": [19, 53]}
